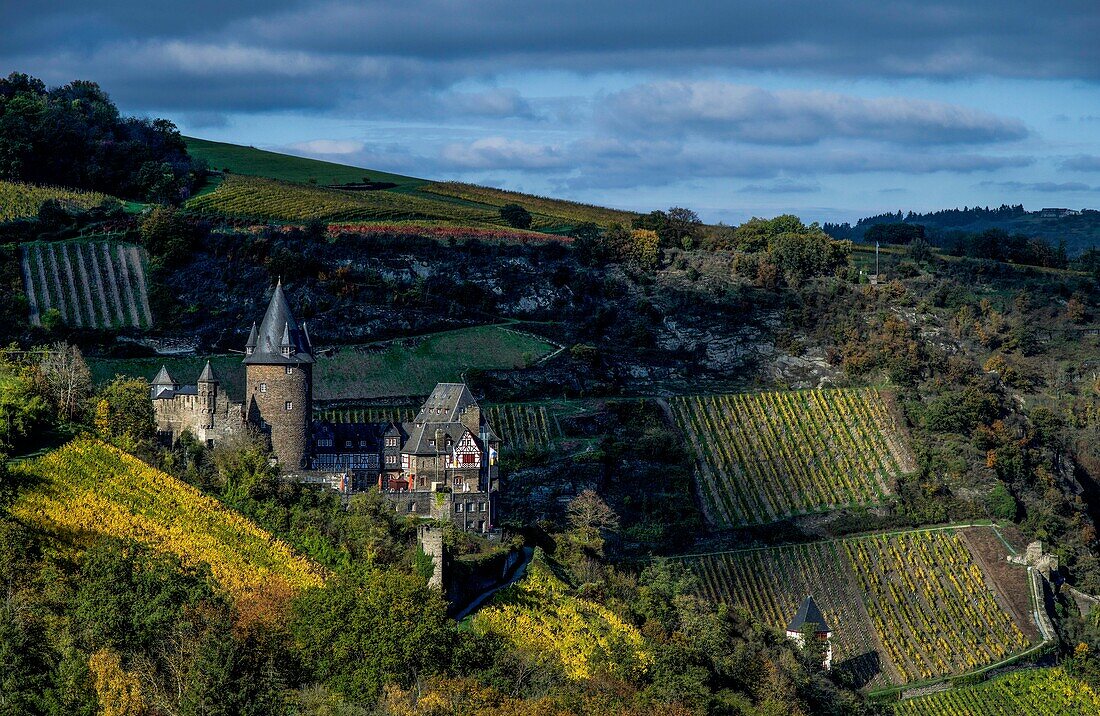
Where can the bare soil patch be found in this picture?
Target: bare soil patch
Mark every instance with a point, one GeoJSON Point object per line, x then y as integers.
{"type": "Point", "coordinates": [1010, 580]}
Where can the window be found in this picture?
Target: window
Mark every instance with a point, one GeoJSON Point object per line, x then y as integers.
{"type": "Point", "coordinates": [263, 387]}
{"type": "Point", "coordinates": [289, 405]}
{"type": "Point", "coordinates": [469, 507]}
{"type": "Point", "coordinates": [431, 443]}
{"type": "Point", "coordinates": [458, 507]}
{"type": "Point", "coordinates": [421, 482]}
{"type": "Point", "coordinates": [347, 443]}
{"type": "Point", "coordinates": [458, 481]}
{"type": "Point", "coordinates": [481, 525]}
{"type": "Point", "coordinates": [362, 443]}
{"type": "Point", "coordinates": [468, 459]}
{"type": "Point", "coordinates": [289, 370]}
{"type": "Point", "coordinates": [481, 507]}
{"type": "Point", "coordinates": [391, 442]}
{"type": "Point", "coordinates": [391, 459]}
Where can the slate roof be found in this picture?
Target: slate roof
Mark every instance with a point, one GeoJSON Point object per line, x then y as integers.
{"type": "Point", "coordinates": [445, 404]}
{"type": "Point", "coordinates": [279, 340]}
{"type": "Point", "coordinates": [340, 433]}
{"type": "Point", "coordinates": [808, 612]}
{"type": "Point", "coordinates": [207, 375]}
{"type": "Point", "coordinates": [163, 378]}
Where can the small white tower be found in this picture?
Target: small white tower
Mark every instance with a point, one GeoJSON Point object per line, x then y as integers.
{"type": "Point", "coordinates": [809, 614]}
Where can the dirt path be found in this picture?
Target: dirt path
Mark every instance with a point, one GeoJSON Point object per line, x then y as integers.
{"type": "Point", "coordinates": [28, 281]}
{"type": "Point", "coordinates": [105, 307]}
{"type": "Point", "coordinates": [62, 304]}
{"type": "Point", "coordinates": [139, 271]}
{"type": "Point", "coordinates": [1010, 581]}
{"type": "Point", "coordinates": [112, 281]}
{"type": "Point", "coordinates": [73, 292]}
{"type": "Point", "coordinates": [86, 285]}
{"type": "Point", "coordinates": [47, 300]}
{"type": "Point", "coordinates": [125, 276]}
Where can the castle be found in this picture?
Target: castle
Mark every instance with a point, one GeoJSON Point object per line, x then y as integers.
{"type": "Point", "coordinates": [442, 465]}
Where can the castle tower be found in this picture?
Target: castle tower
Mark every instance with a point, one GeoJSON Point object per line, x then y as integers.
{"type": "Point", "coordinates": [279, 381]}
{"type": "Point", "coordinates": [208, 397]}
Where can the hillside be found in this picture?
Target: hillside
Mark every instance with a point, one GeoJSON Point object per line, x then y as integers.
{"type": "Point", "coordinates": [406, 198]}
{"type": "Point", "coordinates": [1041, 692]}
{"type": "Point", "coordinates": [905, 607]}
{"type": "Point", "coordinates": [250, 161]}
{"type": "Point", "coordinates": [19, 200]}
{"type": "Point", "coordinates": [88, 489]}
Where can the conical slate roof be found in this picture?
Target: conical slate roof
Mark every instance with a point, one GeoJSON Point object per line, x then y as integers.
{"type": "Point", "coordinates": [251, 337]}
{"type": "Point", "coordinates": [163, 378]}
{"type": "Point", "coordinates": [207, 375]}
{"type": "Point", "coordinates": [808, 613]}
{"type": "Point", "coordinates": [279, 339]}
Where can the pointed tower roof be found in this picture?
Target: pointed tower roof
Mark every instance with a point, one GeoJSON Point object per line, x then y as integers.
{"type": "Point", "coordinates": [277, 331]}
{"type": "Point", "coordinates": [163, 378]}
{"type": "Point", "coordinates": [808, 612]}
{"type": "Point", "coordinates": [207, 375]}
{"type": "Point", "coordinates": [251, 337]}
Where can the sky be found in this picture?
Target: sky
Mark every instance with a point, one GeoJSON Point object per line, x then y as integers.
{"type": "Point", "coordinates": [830, 110]}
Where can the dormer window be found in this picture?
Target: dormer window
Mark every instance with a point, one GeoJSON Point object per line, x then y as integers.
{"type": "Point", "coordinates": [286, 351]}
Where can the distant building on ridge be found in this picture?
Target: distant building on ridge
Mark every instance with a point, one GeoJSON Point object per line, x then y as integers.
{"type": "Point", "coordinates": [808, 614]}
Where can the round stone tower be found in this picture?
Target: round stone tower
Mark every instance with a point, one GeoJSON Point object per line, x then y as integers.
{"type": "Point", "coordinates": [279, 381]}
{"type": "Point", "coordinates": [208, 396]}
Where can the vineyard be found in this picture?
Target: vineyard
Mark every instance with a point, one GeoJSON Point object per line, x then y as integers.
{"type": "Point", "coordinates": [18, 201]}
{"type": "Point", "coordinates": [522, 426]}
{"type": "Point", "coordinates": [1037, 692]}
{"type": "Point", "coordinates": [90, 488]}
{"type": "Point", "coordinates": [903, 607]}
{"type": "Point", "coordinates": [545, 212]}
{"type": "Point", "coordinates": [91, 284]}
{"type": "Point", "coordinates": [540, 617]}
{"type": "Point", "coordinates": [269, 199]}
{"type": "Point", "coordinates": [765, 456]}
{"type": "Point", "coordinates": [368, 414]}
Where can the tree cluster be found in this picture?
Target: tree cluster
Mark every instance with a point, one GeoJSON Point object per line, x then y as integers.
{"type": "Point", "coordinates": [74, 136]}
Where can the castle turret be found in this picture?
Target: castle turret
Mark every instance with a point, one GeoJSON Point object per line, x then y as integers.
{"type": "Point", "coordinates": [208, 396]}
{"type": "Point", "coordinates": [279, 377]}
{"type": "Point", "coordinates": [810, 623]}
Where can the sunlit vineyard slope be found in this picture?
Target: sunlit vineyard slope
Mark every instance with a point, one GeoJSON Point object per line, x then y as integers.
{"type": "Point", "coordinates": [19, 200]}
{"type": "Point", "coordinates": [903, 607]}
{"type": "Point", "coordinates": [1038, 692]}
{"type": "Point", "coordinates": [766, 456]}
{"type": "Point", "coordinates": [89, 488]}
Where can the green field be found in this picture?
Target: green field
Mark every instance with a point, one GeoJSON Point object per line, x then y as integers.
{"type": "Point", "coordinates": [1037, 692]}
{"type": "Point", "coordinates": [258, 162]}
{"type": "Point", "coordinates": [412, 198]}
{"type": "Point", "coordinates": [408, 366]}
{"type": "Point", "coordinates": [904, 607]}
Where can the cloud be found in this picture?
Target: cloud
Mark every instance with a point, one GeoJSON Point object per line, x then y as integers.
{"type": "Point", "coordinates": [327, 146]}
{"type": "Point", "coordinates": [495, 103]}
{"type": "Point", "coordinates": [1045, 187]}
{"type": "Point", "coordinates": [752, 114]}
{"type": "Point", "coordinates": [1082, 163]}
{"type": "Point", "coordinates": [784, 186]}
{"type": "Point", "coordinates": [497, 153]}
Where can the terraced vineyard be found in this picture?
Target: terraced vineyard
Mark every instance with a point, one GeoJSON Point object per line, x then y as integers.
{"type": "Point", "coordinates": [1037, 692]}
{"type": "Point", "coordinates": [765, 456]}
{"type": "Point", "coordinates": [546, 212]}
{"type": "Point", "coordinates": [904, 607]}
{"type": "Point", "coordinates": [269, 199]}
{"type": "Point", "coordinates": [369, 414]}
{"type": "Point", "coordinates": [520, 426]}
{"type": "Point", "coordinates": [91, 284]}
{"type": "Point", "coordinates": [18, 200]}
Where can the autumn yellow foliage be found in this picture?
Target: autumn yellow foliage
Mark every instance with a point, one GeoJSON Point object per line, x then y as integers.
{"type": "Point", "coordinates": [540, 616]}
{"type": "Point", "coordinates": [118, 690]}
{"type": "Point", "coordinates": [89, 488]}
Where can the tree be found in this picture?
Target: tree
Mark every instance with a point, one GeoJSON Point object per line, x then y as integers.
{"type": "Point", "coordinates": [118, 690]}
{"type": "Point", "coordinates": [129, 421]}
{"type": "Point", "coordinates": [166, 235]}
{"type": "Point", "coordinates": [516, 216]}
{"type": "Point", "coordinates": [244, 467]}
{"type": "Point", "coordinates": [23, 411]}
{"type": "Point", "coordinates": [645, 249]}
{"type": "Point", "coordinates": [366, 629]}
{"type": "Point", "coordinates": [66, 377]}
{"type": "Point", "coordinates": [682, 228]}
